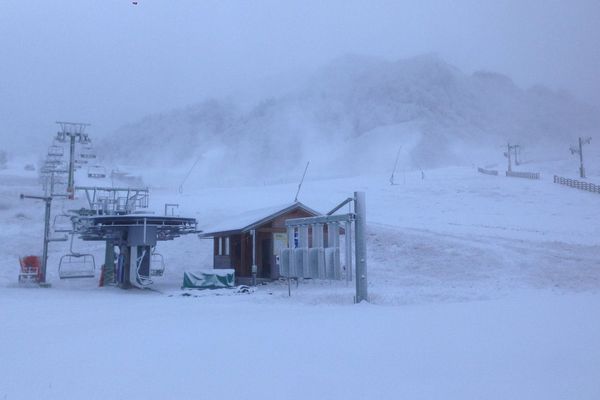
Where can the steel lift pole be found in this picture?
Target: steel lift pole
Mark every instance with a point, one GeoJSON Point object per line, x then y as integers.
{"type": "Point", "coordinates": [48, 202]}
{"type": "Point", "coordinates": [71, 181]}
{"type": "Point", "coordinates": [360, 225]}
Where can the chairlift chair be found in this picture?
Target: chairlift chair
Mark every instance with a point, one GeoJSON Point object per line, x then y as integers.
{"type": "Point", "coordinates": [157, 264]}
{"type": "Point", "coordinates": [62, 223]}
{"type": "Point", "coordinates": [97, 172]}
{"type": "Point", "coordinates": [76, 265]}
{"type": "Point", "coordinates": [61, 137]}
{"type": "Point", "coordinates": [87, 153]}
{"type": "Point", "coordinates": [56, 151]}
{"type": "Point", "coordinates": [84, 139]}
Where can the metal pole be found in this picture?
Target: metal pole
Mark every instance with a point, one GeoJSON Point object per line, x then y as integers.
{"type": "Point", "coordinates": [395, 166]}
{"type": "Point", "coordinates": [48, 202]}
{"type": "Point", "coordinates": [301, 181]}
{"type": "Point", "coordinates": [508, 156]}
{"type": "Point", "coordinates": [348, 238]}
{"type": "Point", "coordinates": [361, 247]}
{"type": "Point", "coordinates": [581, 169]}
{"type": "Point", "coordinates": [71, 183]}
{"type": "Point", "coordinates": [254, 267]}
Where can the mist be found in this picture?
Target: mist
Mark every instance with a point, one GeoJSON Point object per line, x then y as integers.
{"type": "Point", "coordinates": [111, 63]}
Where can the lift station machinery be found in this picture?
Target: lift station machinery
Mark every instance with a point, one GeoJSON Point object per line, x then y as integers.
{"type": "Point", "coordinates": [113, 216]}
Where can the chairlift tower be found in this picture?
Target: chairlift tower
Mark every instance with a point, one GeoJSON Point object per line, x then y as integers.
{"type": "Point", "coordinates": [47, 239]}
{"type": "Point", "coordinates": [73, 132]}
{"type": "Point", "coordinates": [509, 149]}
{"type": "Point", "coordinates": [579, 150]}
{"type": "Point", "coordinates": [517, 150]}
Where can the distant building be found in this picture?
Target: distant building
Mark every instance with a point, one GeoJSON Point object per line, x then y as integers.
{"type": "Point", "coordinates": [233, 241]}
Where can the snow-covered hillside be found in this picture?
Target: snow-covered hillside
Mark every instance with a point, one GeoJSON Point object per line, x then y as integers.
{"type": "Point", "coordinates": [351, 117]}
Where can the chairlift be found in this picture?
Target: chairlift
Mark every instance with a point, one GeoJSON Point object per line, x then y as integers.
{"type": "Point", "coordinates": [56, 151]}
{"type": "Point", "coordinates": [53, 161]}
{"type": "Point", "coordinates": [61, 137]}
{"type": "Point", "coordinates": [76, 265]}
{"type": "Point", "coordinates": [62, 223]}
{"type": "Point", "coordinates": [97, 171]}
{"type": "Point", "coordinates": [157, 263]}
{"type": "Point", "coordinates": [84, 139]}
{"type": "Point", "coordinates": [87, 153]}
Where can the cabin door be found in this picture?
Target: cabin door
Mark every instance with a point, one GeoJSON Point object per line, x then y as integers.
{"type": "Point", "coordinates": [266, 251]}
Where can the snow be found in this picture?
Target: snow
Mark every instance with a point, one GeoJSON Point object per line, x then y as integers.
{"type": "Point", "coordinates": [481, 287]}
{"type": "Point", "coordinates": [243, 220]}
{"type": "Point", "coordinates": [107, 344]}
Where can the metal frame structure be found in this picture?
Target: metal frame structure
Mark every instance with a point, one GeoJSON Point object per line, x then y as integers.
{"type": "Point", "coordinates": [356, 218]}
{"type": "Point", "coordinates": [114, 201]}
{"type": "Point", "coordinates": [135, 235]}
{"type": "Point", "coordinates": [73, 132]}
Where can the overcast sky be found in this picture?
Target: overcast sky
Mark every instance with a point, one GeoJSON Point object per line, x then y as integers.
{"type": "Point", "coordinates": [109, 62]}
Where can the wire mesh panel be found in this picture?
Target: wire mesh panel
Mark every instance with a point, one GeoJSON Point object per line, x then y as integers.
{"type": "Point", "coordinates": [306, 258]}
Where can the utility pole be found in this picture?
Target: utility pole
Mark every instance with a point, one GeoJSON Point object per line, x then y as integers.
{"type": "Point", "coordinates": [74, 132]}
{"type": "Point", "coordinates": [579, 150]}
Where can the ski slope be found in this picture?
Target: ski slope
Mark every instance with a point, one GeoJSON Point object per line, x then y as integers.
{"type": "Point", "coordinates": [481, 287]}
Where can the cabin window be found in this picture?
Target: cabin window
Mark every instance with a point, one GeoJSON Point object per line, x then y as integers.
{"type": "Point", "coordinates": [223, 246]}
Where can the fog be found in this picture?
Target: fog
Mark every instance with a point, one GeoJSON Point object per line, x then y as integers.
{"type": "Point", "coordinates": [111, 62]}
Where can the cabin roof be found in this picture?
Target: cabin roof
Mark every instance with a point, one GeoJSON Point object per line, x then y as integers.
{"type": "Point", "coordinates": [249, 220]}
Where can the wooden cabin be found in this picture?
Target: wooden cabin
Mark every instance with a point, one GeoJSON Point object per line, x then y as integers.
{"type": "Point", "coordinates": [235, 246]}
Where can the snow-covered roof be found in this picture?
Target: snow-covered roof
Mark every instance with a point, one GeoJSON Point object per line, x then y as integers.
{"type": "Point", "coordinates": [252, 219]}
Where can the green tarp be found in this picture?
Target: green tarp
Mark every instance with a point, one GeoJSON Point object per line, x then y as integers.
{"type": "Point", "coordinates": [214, 279]}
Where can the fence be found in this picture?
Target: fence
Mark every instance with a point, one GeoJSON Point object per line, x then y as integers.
{"type": "Point", "coordinates": [487, 171]}
{"type": "Point", "coordinates": [574, 183]}
{"type": "Point", "coordinates": [527, 175]}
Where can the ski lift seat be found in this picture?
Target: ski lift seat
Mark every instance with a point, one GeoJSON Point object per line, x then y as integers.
{"type": "Point", "coordinates": [57, 151]}
{"type": "Point", "coordinates": [157, 264]}
{"type": "Point", "coordinates": [88, 155]}
{"type": "Point", "coordinates": [76, 265]}
{"type": "Point", "coordinates": [62, 223]}
{"type": "Point", "coordinates": [96, 172]}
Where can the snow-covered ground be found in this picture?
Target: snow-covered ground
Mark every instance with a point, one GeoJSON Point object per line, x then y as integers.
{"type": "Point", "coordinates": [481, 287]}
